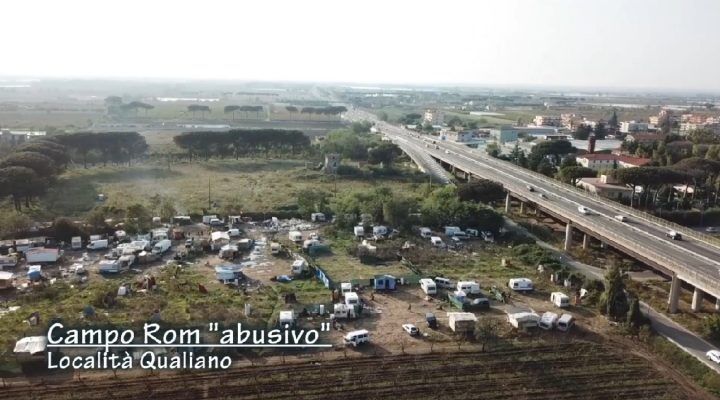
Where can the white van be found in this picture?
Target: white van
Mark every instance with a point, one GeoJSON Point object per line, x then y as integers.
{"type": "Point", "coordinates": [98, 244]}
{"type": "Point", "coordinates": [469, 287]}
{"type": "Point", "coordinates": [357, 338]}
{"type": "Point", "coordinates": [444, 283]}
{"type": "Point", "coordinates": [560, 299]}
{"type": "Point", "coordinates": [345, 287]}
{"type": "Point", "coordinates": [565, 322]}
{"type": "Point", "coordinates": [437, 241]}
{"type": "Point", "coordinates": [162, 246]}
{"type": "Point", "coordinates": [234, 232]}
{"type": "Point", "coordinates": [425, 232]}
{"type": "Point", "coordinates": [428, 286]}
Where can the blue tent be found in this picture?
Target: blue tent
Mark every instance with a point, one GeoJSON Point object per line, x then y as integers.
{"type": "Point", "coordinates": [384, 282]}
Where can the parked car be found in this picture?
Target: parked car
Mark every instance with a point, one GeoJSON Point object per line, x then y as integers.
{"type": "Point", "coordinates": [714, 356]}
{"type": "Point", "coordinates": [674, 235]}
{"type": "Point", "coordinates": [411, 329]}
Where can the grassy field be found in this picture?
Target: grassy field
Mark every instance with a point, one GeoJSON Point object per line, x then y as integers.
{"type": "Point", "coordinates": [257, 185]}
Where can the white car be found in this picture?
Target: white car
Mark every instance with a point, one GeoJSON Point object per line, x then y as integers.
{"type": "Point", "coordinates": [714, 356]}
{"type": "Point", "coordinates": [621, 218]}
{"type": "Point", "coordinates": [411, 329]}
{"type": "Point", "coordinates": [542, 196]}
{"type": "Point", "coordinates": [584, 210]}
{"type": "Point", "coordinates": [711, 229]}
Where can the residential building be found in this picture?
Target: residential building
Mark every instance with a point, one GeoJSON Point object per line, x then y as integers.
{"type": "Point", "coordinates": [548, 120]}
{"type": "Point", "coordinates": [632, 126]}
{"type": "Point", "coordinates": [461, 136]}
{"type": "Point", "coordinates": [601, 161]}
{"type": "Point", "coordinates": [605, 186]}
{"type": "Point", "coordinates": [434, 117]}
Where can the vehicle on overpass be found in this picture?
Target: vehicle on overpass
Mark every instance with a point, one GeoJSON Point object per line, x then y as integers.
{"type": "Point", "coordinates": [584, 210]}
{"type": "Point", "coordinates": [674, 235]}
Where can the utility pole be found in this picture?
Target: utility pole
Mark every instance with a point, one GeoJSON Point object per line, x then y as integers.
{"type": "Point", "coordinates": [209, 205]}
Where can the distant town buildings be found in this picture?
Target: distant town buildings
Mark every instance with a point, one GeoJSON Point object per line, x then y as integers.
{"type": "Point", "coordinates": [434, 117]}
{"type": "Point", "coordinates": [634, 127]}
{"type": "Point", "coordinates": [645, 138]}
{"type": "Point", "coordinates": [602, 161]}
{"type": "Point", "coordinates": [14, 138]}
{"type": "Point", "coordinates": [548, 120]}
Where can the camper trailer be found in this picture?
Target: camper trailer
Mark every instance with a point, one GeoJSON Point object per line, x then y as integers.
{"type": "Point", "coordinates": [462, 322]}
{"type": "Point", "coordinates": [286, 319]}
{"type": "Point", "coordinates": [548, 321]}
{"type": "Point", "coordinates": [425, 233]}
{"type": "Point", "coordinates": [41, 255]}
{"type": "Point", "coordinates": [8, 261]}
{"type": "Point", "coordinates": [469, 287]}
{"type": "Point", "coordinates": [275, 248]}
{"type": "Point", "coordinates": [359, 231]}
{"type": "Point", "coordinates": [428, 286]}
{"type": "Point", "coordinates": [352, 299]}
{"type": "Point", "coordinates": [345, 287]}
{"type": "Point", "coordinates": [234, 232]}
{"type": "Point", "coordinates": [341, 311]}
{"type": "Point", "coordinates": [521, 284]}
{"type": "Point", "coordinates": [560, 300]}
{"type": "Point", "coordinates": [76, 243]}
{"type": "Point", "coordinates": [523, 320]}
{"type": "Point", "coordinates": [357, 338]}
{"type": "Point", "coordinates": [6, 280]}
{"type": "Point", "coordinates": [565, 322]}
{"type": "Point", "coordinates": [317, 217]}
{"type": "Point", "coordinates": [299, 266]}
{"type": "Point", "coordinates": [295, 236]}
{"type": "Point", "coordinates": [30, 348]}
{"type": "Point", "coordinates": [206, 219]}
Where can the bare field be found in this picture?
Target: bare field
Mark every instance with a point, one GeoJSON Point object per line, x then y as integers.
{"type": "Point", "coordinates": [579, 370]}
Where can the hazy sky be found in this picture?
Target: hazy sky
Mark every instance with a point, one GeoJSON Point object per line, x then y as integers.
{"type": "Point", "coordinates": [608, 43]}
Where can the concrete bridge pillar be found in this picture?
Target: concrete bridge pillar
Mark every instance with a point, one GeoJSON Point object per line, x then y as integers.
{"type": "Point", "coordinates": [568, 236]}
{"type": "Point", "coordinates": [522, 207]}
{"type": "Point", "coordinates": [717, 304]}
{"type": "Point", "coordinates": [697, 300]}
{"type": "Point", "coordinates": [674, 294]}
{"type": "Point", "coordinates": [507, 203]}
{"type": "Point", "coordinates": [586, 241]}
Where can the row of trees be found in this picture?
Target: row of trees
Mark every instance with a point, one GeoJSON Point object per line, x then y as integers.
{"type": "Point", "coordinates": [310, 111]}
{"type": "Point", "coordinates": [583, 132]}
{"type": "Point", "coordinates": [240, 142]}
{"type": "Point", "coordinates": [116, 106]}
{"type": "Point", "coordinates": [115, 147]}
{"type": "Point", "coordinates": [30, 169]}
{"type": "Point", "coordinates": [439, 207]}
{"type": "Point", "coordinates": [232, 109]}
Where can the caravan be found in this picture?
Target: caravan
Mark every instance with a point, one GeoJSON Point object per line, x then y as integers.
{"type": "Point", "coordinates": [560, 299]}
{"type": "Point", "coordinates": [428, 286]}
{"type": "Point", "coordinates": [521, 284]}
{"type": "Point", "coordinates": [425, 233]}
{"type": "Point", "coordinates": [295, 236]}
{"type": "Point", "coordinates": [469, 287]}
